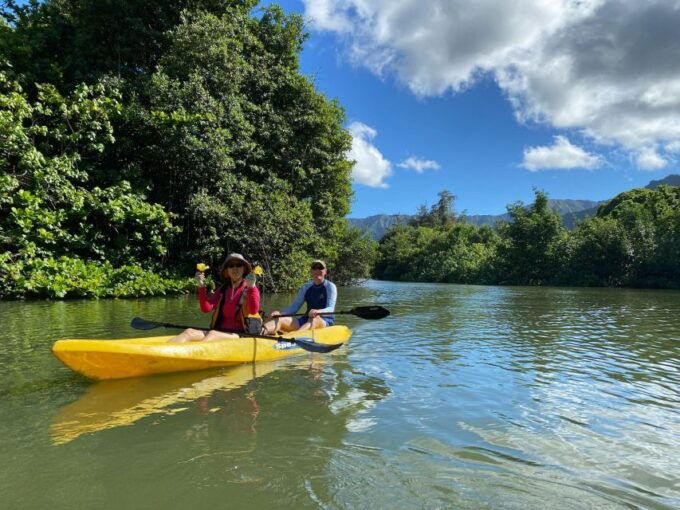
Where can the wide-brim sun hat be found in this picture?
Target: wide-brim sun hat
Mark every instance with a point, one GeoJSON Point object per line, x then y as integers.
{"type": "Point", "coordinates": [236, 256]}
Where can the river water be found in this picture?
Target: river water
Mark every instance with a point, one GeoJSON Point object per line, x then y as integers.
{"type": "Point", "coordinates": [466, 397]}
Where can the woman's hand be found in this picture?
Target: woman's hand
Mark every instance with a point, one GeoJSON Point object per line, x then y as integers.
{"type": "Point", "coordinates": [200, 278]}
{"type": "Point", "coordinates": [250, 280]}
{"type": "Point", "coordinates": [275, 313]}
{"type": "Point", "coordinates": [313, 313]}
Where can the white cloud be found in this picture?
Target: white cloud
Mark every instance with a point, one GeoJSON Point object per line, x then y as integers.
{"type": "Point", "coordinates": [648, 159]}
{"type": "Point", "coordinates": [561, 155]}
{"type": "Point", "coordinates": [606, 68]}
{"type": "Point", "coordinates": [673, 147]}
{"type": "Point", "coordinates": [419, 165]}
{"type": "Point", "coordinates": [371, 167]}
{"type": "Point", "coordinates": [323, 16]}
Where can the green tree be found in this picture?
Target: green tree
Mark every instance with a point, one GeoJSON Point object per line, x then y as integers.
{"type": "Point", "coordinates": [666, 261]}
{"type": "Point", "coordinates": [69, 42]}
{"type": "Point", "coordinates": [601, 254]}
{"type": "Point", "coordinates": [51, 214]}
{"type": "Point", "coordinates": [633, 241]}
{"type": "Point", "coordinates": [441, 214]}
{"type": "Point", "coordinates": [648, 221]}
{"type": "Point", "coordinates": [403, 253]}
{"type": "Point", "coordinates": [355, 257]}
{"type": "Point", "coordinates": [436, 247]}
{"type": "Point", "coordinates": [215, 123]}
{"type": "Point", "coordinates": [230, 111]}
{"type": "Point", "coordinates": [533, 243]}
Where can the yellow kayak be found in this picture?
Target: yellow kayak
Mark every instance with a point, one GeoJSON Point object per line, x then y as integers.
{"type": "Point", "coordinates": [133, 357]}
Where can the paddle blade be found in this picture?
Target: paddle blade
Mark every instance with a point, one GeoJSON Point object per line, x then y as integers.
{"type": "Point", "coordinates": [310, 345]}
{"type": "Point", "coordinates": [370, 312]}
{"type": "Point", "coordinates": [139, 323]}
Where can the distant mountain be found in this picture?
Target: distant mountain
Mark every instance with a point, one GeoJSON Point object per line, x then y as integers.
{"type": "Point", "coordinates": [581, 209]}
{"type": "Point", "coordinates": [566, 206]}
{"type": "Point", "coordinates": [378, 224]}
{"type": "Point", "coordinates": [570, 210]}
{"type": "Point", "coordinates": [671, 180]}
{"type": "Point", "coordinates": [485, 219]}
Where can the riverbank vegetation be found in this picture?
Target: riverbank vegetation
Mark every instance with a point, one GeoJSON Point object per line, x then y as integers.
{"type": "Point", "coordinates": [632, 241]}
{"type": "Point", "coordinates": [140, 137]}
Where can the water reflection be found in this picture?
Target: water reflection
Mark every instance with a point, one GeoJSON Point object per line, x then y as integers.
{"type": "Point", "coordinates": [122, 402]}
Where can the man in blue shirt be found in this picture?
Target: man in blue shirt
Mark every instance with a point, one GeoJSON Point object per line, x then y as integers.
{"type": "Point", "coordinates": [319, 294]}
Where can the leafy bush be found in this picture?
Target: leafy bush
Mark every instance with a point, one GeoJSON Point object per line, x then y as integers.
{"type": "Point", "coordinates": [634, 240]}
{"type": "Point", "coordinates": [67, 277]}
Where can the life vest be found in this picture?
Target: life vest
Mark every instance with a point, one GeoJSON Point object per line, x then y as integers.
{"type": "Point", "coordinates": [251, 322]}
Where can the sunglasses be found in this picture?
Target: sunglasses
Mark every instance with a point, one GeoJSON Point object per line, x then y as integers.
{"type": "Point", "coordinates": [234, 265]}
{"type": "Point", "coordinates": [317, 267]}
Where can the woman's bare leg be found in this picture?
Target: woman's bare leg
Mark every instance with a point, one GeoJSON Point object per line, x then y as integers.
{"type": "Point", "coordinates": [282, 324]}
{"type": "Point", "coordinates": [189, 335]}
{"type": "Point", "coordinates": [218, 335]}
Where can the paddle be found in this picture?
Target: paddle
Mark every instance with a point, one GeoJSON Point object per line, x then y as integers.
{"type": "Point", "coordinates": [365, 312]}
{"type": "Point", "coordinates": [308, 344]}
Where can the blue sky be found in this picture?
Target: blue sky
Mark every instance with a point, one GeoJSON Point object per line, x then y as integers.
{"type": "Point", "coordinates": [488, 106]}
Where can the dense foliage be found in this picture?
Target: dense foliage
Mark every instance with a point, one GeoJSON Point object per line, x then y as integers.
{"type": "Point", "coordinates": [60, 234]}
{"type": "Point", "coordinates": [138, 138]}
{"type": "Point", "coordinates": [633, 241]}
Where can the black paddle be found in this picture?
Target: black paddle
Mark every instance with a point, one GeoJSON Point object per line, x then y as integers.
{"type": "Point", "coordinates": [308, 344]}
{"type": "Point", "coordinates": [365, 312]}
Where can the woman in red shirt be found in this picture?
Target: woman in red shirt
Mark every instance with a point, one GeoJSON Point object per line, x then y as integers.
{"type": "Point", "coordinates": [230, 304]}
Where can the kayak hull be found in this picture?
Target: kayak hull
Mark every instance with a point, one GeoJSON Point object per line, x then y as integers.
{"type": "Point", "coordinates": [134, 357]}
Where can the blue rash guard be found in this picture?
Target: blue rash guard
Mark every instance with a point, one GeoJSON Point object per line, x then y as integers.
{"type": "Point", "coordinates": [318, 297]}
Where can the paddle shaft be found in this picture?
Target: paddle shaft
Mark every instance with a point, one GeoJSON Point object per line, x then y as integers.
{"type": "Point", "coordinates": [305, 315]}
{"type": "Point", "coordinates": [239, 333]}
{"type": "Point", "coordinates": [372, 312]}
{"type": "Point", "coordinates": [308, 344]}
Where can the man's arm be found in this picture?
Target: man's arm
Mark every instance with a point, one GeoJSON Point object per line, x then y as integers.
{"type": "Point", "coordinates": [299, 299]}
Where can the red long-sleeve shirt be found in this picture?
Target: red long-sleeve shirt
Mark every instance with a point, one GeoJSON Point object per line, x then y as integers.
{"type": "Point", "coordinates": [230, 320]}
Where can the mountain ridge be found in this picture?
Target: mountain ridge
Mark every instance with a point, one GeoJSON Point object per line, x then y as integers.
{"type": "Point", "coordinates": [571, 211]}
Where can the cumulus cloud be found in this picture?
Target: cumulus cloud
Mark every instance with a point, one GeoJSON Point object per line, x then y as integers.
{"type": "Point", "coordinates": [561, 155]}
{"type": "Point", "coordinates": [673, 147]}
{"type": "Point", "coordinates": [649, 159]}
{"type": "Point", "coordinates": [606, 68]}
{"type": "Point", "coordinates": [419, 165]}
{"type": "Point", "coordinates": [323, 16]}
{"type": "Point", "coordinates": [370, 168]}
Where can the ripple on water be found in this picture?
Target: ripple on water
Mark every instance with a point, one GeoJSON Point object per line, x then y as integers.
{"type": "Point", "coordinates": [465, 397]}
